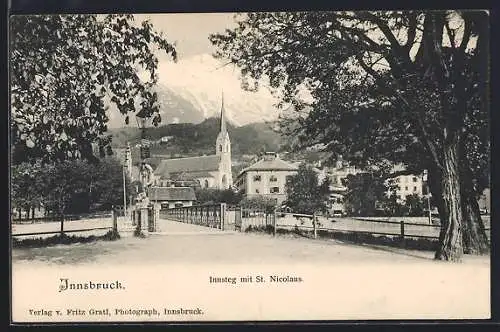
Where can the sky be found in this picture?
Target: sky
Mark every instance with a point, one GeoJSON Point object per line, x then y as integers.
{"type": "Point", "coordinates": [190, 31]}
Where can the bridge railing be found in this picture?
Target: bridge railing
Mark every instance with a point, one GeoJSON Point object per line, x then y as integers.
{"type": "Point", "coordinates": [213, 216]}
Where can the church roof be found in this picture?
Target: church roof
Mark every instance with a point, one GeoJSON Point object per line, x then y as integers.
{"type": "Point", "coordinates": [171, 194]}
{"type": "Point", "coordinates": [202, 164]}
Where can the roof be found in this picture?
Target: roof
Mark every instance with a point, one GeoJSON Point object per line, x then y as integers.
{"type": "Point", "coordinates": [202, 164]}
{"type": "Point", "coordinates": [275, 164]}
{"type": "Point", "coordinates": [171, 194]}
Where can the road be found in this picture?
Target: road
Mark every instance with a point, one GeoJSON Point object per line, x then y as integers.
{"type": "Point", "coordinates": [173, 267]}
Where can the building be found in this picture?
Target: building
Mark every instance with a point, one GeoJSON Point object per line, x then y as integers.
{"type": "Point", "coordinates": [212, 171]}
{"type": "Point", "coordinates": [338, 177]}
{"type": "Point", "coordinates": [485, 201]}
{"type": "Point", "coordinates": [171, 197]}
{"type": "Point", "coordinates": [267, 177]}
{"type": "Point", "coordinates": [408, 185]}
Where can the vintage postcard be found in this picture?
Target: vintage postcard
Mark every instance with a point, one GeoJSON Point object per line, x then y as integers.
{"type": "Point", "coordinates": [271, 166]}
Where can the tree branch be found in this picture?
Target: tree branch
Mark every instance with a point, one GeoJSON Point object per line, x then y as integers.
{"type": "Point", "coordinates": [467, 33]}
{"type": "Point", "coordinates": [412, 31]}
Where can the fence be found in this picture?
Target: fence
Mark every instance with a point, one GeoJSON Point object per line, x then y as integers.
{"type": "Point", "coordinates": [213, 216]}
{"type": "Point", "coordinates": [72, 224]}
{"type": "Point", "coordinates": [401, 229]}
{"type": "Point", "coordinates": [69, 217]}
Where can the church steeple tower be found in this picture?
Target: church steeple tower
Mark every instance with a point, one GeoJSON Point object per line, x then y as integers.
{"type": "Point", "coordinates": [223, 149]}
{"type": "Point", "coordinates": [223, 128]}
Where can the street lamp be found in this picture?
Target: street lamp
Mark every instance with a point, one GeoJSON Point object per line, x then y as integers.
{"type": "Point", "coordinates": [142, 118]}
{"type": "Point", "coordinates": [425, 178]}
{"type": "Point", "coordinates": [142, 122]}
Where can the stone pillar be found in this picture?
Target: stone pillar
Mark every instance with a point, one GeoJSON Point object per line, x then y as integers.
{"type": "Point", "coordinates": [144, 217]}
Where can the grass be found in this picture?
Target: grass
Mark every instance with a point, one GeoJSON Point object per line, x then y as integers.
{"type": "Point", "coordinates": [354, 237]}
{"type": "Point", "coordinates": [111, 235]}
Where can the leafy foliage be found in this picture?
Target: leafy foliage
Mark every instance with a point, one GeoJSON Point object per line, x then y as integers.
{"type": "Point", "coordinates": [399, 86]}
{"type": "Point", "coordinates": [214, 196]}
{"type": "Point", "coordinates": [259, 203]}
{"type": "Point", "coordinates": [304, 193]}
{"type": "Point", "coordinates": [364, 192]}
{"type": "Point", "coordinates": [68, 187]}
{"type": "Point", "coordinates": [67, 69]}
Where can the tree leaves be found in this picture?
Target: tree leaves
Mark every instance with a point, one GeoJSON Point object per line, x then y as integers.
{"type": "Point", "coordinates": [63, 67]}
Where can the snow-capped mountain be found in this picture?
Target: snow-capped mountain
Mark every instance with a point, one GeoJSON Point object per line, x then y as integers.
{"type": "Point", "coordinates": [191, 91]}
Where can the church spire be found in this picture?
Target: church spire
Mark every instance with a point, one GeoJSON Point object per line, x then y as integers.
{"type": "Point", "coordinates": [223, 128]}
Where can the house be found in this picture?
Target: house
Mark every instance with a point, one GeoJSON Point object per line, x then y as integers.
{"type": "Point", "coordinates": [170, 197]}
{"type": "Point", "coordinates": [211, 171]}
{"type": "Point", "coordinates": [267, 177]}
{"type": "Point", "coordinates": [485, 201]}
{"type": "Point", "coordinates": [406, 184]}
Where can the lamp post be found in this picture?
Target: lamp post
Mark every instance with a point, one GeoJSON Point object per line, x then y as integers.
{"type": "Point", "coordinates": [142, 121]}
{"type": "Point", "coordinates": [425, 178]}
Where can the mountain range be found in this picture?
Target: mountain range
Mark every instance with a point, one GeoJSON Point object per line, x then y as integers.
{"type": "Point", "coordinates": [191, 90]}
{"type": "Point", "coordinates": [189, 139]}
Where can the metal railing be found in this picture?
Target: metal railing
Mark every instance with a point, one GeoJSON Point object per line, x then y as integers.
{"type": "Point", "coordinates": [213, 216]}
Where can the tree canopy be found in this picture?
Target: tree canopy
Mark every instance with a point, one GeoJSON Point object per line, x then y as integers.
{"type": "Point", "coordinates": [304, 193]}
{"type": "Point", "coordinates": [406, 87]}
{"type": "Point", "coordinates": [66, 70]}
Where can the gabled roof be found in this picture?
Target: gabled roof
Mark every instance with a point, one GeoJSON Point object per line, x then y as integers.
{"type": "Point", "coordinates": [171, 194]}
{"type": "Point", "coordinates": [202, 164]}
{"type": "Point", "coordinates": [275, 164]}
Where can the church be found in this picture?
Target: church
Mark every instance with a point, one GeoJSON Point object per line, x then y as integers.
{"type": "Point", "coordinates": [212, 171]}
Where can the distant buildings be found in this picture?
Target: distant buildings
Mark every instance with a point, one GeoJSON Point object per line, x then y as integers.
{"type": "Point", "coordinates": [406, 185]}
{"type": "Point", "coordinates": [485, 201]}
{"type": "Point", "coordinates": [338, 177]}
{"type": "Point", "coordinates": [212, 171]}
{"type": "Point", "coordinates": [267, 177]}
{"type": "Point", "coordinates": [172, 197]}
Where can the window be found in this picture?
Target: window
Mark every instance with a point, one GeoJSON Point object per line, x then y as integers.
{"type": "Point", "coordinates": [274, 190]}
{"type": "Point", "coordinates": [289, 178]}
{"type": "Point", "coordinates": [273, 178]}
{"type": "Point", "coordinates": [406, 188]}
{"type": "Point", "coordinates": [396, 180]}
{"type": "Point", "coordinates": [220, 148]}
{"type": "Point", "coordinates": [414, 188]}
{"type": "Point", "coordinates": [415, 179]}
{"type": "Point", "coordinates": [256, 178]}
{"type": "Point", "coordinates": [257, 191]}
{"type": "Point", "coordinates": [178, 205]}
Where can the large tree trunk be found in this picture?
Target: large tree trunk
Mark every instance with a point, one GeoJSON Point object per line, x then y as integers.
{"type": "Point", "coordinates": [450, 237]}
{"type": "Point", "coordinates": [475, 240]}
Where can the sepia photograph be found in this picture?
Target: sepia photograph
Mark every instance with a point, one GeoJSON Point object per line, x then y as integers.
{"type": "Point", "coordinates": [250, 166]}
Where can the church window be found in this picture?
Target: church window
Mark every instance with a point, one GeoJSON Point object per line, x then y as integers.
{"type": "Point", "coordinates": [257, 178]}
{"type": "Point", "coordinates": [206, 183]}
{"type": "Point", "coordinates": [220, 148]}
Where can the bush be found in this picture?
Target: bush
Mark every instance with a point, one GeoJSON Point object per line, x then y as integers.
{"type": "Point", "coordinates": [139, 233]}
{"type": "Point", "coordinates": [111, 235]}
